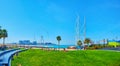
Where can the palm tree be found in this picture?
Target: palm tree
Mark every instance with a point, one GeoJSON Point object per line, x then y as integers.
{"type": "Point", "coordinates": [4, 35]}
{"type": "Point", "coordinates": [79, 42]}
{"type": "Point", "coordinates": [104, 42]}
{"type": "Point", "coordinates": [58, 39]}
{"type": "Point", "coordinates": [87, 41]}
{"type": "Point", "coordinates": [0, 32]}
{"type": "Point", "coordinates": [107, 40]}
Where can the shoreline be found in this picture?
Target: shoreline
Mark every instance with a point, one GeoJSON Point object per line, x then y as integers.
{"type": "Point", "coordinates": [60, 49]}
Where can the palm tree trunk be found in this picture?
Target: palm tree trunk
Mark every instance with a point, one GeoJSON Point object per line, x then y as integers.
{"type": "Point", "coordinates": [3, 41]}
{"type": "Point", "coordinates": [58, 45]}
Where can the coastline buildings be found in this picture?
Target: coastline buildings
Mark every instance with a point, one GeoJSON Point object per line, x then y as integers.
{"type": "Point", "coordinates": [27, 42]}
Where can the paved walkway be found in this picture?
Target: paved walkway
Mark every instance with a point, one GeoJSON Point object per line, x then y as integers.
{"type": "Point", "coordinates": [6, 56]}
{"type": "Point", "coordinates": [116, 49]}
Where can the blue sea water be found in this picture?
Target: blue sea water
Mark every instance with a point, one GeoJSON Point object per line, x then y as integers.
{"type": "Point", "coordinates": [52, 46]}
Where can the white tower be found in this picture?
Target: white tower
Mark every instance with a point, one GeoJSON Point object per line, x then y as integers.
{"type": "Point", "coordinates": [42, 40]}
{"type": "Point", "coordinates": [84, 27]}
{"type": "Point", "coordinates": [77, 37]}
{"type": "Point", "coordinates": [84, 30]}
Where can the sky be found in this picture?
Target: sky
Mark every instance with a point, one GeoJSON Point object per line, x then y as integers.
{"type": "Point", "coordinates": [31, 19]}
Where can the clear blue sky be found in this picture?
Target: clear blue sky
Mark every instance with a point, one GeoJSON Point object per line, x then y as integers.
{"type": "Point", "coordinates": [25, 19]}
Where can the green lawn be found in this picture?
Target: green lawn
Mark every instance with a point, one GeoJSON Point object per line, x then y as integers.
{"type": "Point", "coordinates": [36, 57]}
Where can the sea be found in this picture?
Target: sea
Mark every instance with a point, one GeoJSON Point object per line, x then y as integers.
{"type": "Point", "coordinates": [51, 46]}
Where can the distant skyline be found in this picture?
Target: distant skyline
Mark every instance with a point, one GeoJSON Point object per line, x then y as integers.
{"type": "Point", "coordinates": [31, 19]}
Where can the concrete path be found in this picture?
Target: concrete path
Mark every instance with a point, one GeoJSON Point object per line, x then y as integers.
{"type": "Point", "coordinates": [6, 56]}
{"type": "Point", "coordinates": [115, 49]}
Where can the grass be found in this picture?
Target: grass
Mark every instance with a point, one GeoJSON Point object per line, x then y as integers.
{"type": "Point", "coordinates": [36, 57]}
